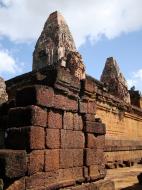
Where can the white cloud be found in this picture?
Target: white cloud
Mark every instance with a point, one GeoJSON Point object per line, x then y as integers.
{"type": "Point", "coordinates": [8, 63]}
{"type": "Point", "coordinates": [23, 20]}
{"type": "Point", "coordinates": [136, 80]}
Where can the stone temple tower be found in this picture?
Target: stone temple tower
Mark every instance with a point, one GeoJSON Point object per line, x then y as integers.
{"type": "Point", "coordinates": [114, 80]}
{"type": "Point", "coordinates": [56, 46]}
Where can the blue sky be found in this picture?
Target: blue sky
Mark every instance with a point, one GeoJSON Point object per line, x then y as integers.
{"type": "Point", "coordinates": [100, 28]}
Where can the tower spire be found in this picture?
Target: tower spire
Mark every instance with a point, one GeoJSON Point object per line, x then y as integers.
{"type": "Point", "coordinates": [56, 46]}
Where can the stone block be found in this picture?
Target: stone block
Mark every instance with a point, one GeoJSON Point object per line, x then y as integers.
{"type": "Point", "coordinates": [27, 116]}
{"type": "Point", "coordinates": [94, 172]}
{"type": "Point", "coordinates": [60, 101]}
{"type": "Point", "coordinates": [95, 127]}
{"type": "Point", "coordinates": [53, 138]}
{"type": "Point", "coordinates": [72, 104]}
{"type": "Point", "coordinates": [91, 107]}
{"type": "Point", "coordinates": [54, 120]}
{"type": "Point", "coordinates": [66, 158]}
{"type": "Point", "coordinates": [75, 173]}
{"type": "Point", "coordinates": [88, 107]}
{"type": "Point", "coordinates": [30, 138]}
{"type": "Point", "coordinates": [35, 162]}
{"type": "Point", "coordinates": [89, 85]}
{"type": "Point", "coordinates": [82, 106]}
{"type": "Point", "coordinates": [89, 117]}
{"type": "Point", "coordinates": [97, 172]}
{"type": "Point", "coordinates": [78, 157]}
{"type": "Point", "coordinates": [13, 163]}
{"type": "Point", "coordinates": [78, 174]}
{"type": "Point", "coordinates": [42, 179]}
{"type": "Point", "coordinates": [94, 157]}
{"type": "Point", "coordinates": [72, 139]}
{"type": "Point", "coordinates": [95, 141]}
{"type": "Point", "coordinates": [68, 120]}
{"type": "Point", "coordinates": [35, 95]}
{"type": "Point", "coordinates": [78, 122]}
{"type": "Point", "coordinates": [64, 102]}
{"type": "Point", "coordinates": [71, 158]}
{"type": "Point", "coordinates": [51, 160]}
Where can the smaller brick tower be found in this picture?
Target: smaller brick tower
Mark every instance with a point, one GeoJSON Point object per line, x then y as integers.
{"type": "Point", "coordinates": [114, 80]}
{"type": "Point", "coordinates": [56, 46]}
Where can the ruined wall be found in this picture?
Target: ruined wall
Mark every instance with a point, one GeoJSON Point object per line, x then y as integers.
{"type": "Point", "coordinates": [123, 143]}
{"type": "Point", "coordinates": [51, 136]}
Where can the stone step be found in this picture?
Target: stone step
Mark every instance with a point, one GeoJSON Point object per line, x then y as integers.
{"type": "Point", "coordinates": [125, 178]}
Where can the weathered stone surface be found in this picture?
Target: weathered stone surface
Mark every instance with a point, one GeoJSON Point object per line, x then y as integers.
{"type": "Point", "coordinates": [54, 120]}
{"type": "Point", "coordinates": [115, 81]}
{"type": "Point", "coordinates": [68, 121]}
{"type": "Point", "coordinates": [35, 162]}
{"type": "Point", "coordinates": [52, 138]}
{"type": "Point", "coordinates": [95, 127]}
{"type": "Point", "coordinates": [51, 160]}
{"type": "Point", "coordinates": [35, 95]}
{"type": "Point", "coordinates": [3, 94]}
{"type": "Point", "coordinates": [30, 138]}
{"type": "Point", "coordinates": [55, 46]}
{"type": "Point", "coordinates": [72, 139]}
{"type": "Point", "coordinates": [27, 116]}
{"type": "Point", "coordinates": [71, 158]}
{"type": "Point", "coordinates": [42, 179]}
{"type": "Point", "coordinates": [12, 163]}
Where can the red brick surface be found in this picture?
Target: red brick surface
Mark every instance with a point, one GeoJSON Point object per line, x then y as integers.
{"type": "Point", "coordinates": [95, 141]}
{"type": "Point", "coordinates": [26, 138]}
{"type": "Point", "coordinates": [26, 116]}
{"type": "Point", "coordinates": [88, 107]}
{"type": "Point", "coordinates": [35, 95]}
{"type": "Point", "coordinates": [35, 162]}
{"type": "Point", "coordinates": [94, 157]}
{"type": "Point", "coordinates": [75, 173]}
{"type": "Point", "coordinates": [68, 120]}
{"type": "Point", "coordinates": [72, 139]}
{"type": "Point", "coordinates": [54, 120]}
{"type": "Point", "coordinates": [13, 163]}
{"type": "Point", "coordinates": [42, 179]}
{"type": "Point", "coordinates": [51, 160]}
{"type": "Point", "coordinates": [78, 122]}
{"type": "Point", "coordinates": [95, 127]}
{"type": "Point", "coordinates": [53, 138]}
{"type": "Point", "coordinates": [66, 158]}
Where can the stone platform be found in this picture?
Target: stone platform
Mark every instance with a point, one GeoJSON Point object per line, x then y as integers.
{"type": "Point", "coordinates": [125, 178]}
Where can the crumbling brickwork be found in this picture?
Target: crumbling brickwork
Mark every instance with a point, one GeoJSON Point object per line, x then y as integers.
{"type": "Point", "coordinates": [60, 128]}
{"type": "Point", "coordinates": [52, 138]}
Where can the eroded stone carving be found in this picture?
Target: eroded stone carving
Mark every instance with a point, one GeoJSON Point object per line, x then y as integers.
{"type": "Point", "coordinates": [3, 94]}
{"type": "Point", "coordinates": [114, 80]}
{"type": "Point", "coordinates": [56, 46]}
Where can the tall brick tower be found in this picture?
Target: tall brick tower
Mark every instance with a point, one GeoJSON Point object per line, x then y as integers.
{"type": "Point", "coordinates": [56, 46]}
{"type": "Point", "coordinates": [114, 80]}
